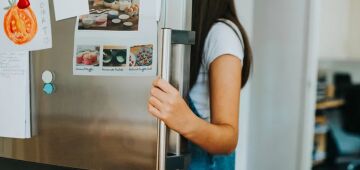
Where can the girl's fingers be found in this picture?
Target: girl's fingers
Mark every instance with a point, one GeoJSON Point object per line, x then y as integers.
{"type": "Point", "coordinates": [155, 103]}
{"type": "Point", "coordinates": [158, 94]}
{"type": "Point", "coordinates": [164, 86]}
{"type": "Point", "coordinates": [155, 112]}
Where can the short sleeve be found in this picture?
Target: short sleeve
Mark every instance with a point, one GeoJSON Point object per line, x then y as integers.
{"type": "Point", "coordinates": [221, 40]}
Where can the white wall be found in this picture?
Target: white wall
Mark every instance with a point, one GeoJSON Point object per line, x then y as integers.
{"type": "Point", "coordinates": [355, 29]}
{"type": "Point", "coordinates": [334, 37]}
{"type": "Point", "coordinates": [281, 86]}
{"type": "Point", "coordinates": [245, 12]}
{"type": "Point", "coordinates": [340, 35]}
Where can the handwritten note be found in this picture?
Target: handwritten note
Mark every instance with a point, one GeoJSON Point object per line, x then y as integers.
{"type": "Point", "coordinates": [14, 95]}
{"type": "Point", "coordinates": [10, 65]}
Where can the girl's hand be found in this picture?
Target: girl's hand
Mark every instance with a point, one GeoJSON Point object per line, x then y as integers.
{"type": "Point", "coordinates": [166, 104]}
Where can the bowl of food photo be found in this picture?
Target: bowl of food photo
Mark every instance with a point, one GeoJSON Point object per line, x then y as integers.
{"type": "Point", "coordinates": [115, 5]}
{"type": "Point", "coordinates": [120, 59]}
{"type": "Point", "coordinates": [100, 20]}
{"type": "Point", "coordinates": [123, 4]}
{"type": "Point", "coordinates": [107, 60]}
{"type": "Point", "coordinates": [113, 14]}
{"type": "Point", "coordinates": [116, 21]}
{"type": "Point", "coordinates": [124, 17]}
{"type": "Point", "coordinates": [109, 3]}
{"type": "Point", "coordinates": [87, 58]}
{"type": "Point", "coordinates": [88, 22]}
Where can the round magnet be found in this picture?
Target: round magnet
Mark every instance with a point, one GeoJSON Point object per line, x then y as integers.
{"type": "Point", "coordinates": [47, 76]}
{"type": "Point", "coordinates": [49, 88]}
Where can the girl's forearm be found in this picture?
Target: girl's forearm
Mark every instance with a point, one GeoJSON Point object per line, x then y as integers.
{"type": "Point", "coordinates": [214, 138]}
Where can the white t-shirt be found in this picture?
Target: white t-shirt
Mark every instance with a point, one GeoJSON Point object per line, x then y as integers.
{"type": "Point", "coordinates": [221, 40]}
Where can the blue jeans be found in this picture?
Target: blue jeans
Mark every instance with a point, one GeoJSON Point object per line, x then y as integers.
{"type": "Point", "coordinates": [202, 160]}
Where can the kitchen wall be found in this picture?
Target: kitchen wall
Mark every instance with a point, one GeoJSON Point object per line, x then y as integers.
{"type": "Point", "coordinates": [334, 28]}
{"type": "Point", "coordinates": [245, 12]}
{"type": "Point", "coordinates": [354, 29]}
{"type": "Point", "coordinates": [339, 35]}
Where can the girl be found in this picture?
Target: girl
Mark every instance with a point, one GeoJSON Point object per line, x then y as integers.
{"type": "Point", "coordinates": [220, 66]}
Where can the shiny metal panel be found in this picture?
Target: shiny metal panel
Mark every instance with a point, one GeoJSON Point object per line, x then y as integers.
{"type": "Point", "coordinates": [97, 122]}
{"type": "Point", "coordinates": [90, 122]}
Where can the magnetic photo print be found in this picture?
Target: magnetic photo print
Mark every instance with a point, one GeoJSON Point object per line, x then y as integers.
{"type": "Point", "coordinates": [88, 56]}
{"type": "Point", "coordinates": [114, 56]}
{"type": "Point", "coordinates": [111, 15]}
{"type": "Point", "coordinates": [141, 55]}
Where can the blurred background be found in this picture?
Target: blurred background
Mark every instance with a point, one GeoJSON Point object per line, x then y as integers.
{"type": "Point", "coordinates": [302, 108]}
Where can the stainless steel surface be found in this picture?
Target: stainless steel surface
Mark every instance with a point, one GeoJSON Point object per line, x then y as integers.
{"type": "Point", "coordinates": [165, 75]}
{"type": "Point", "coordinates": [97, 122]}
{"type": "Point", "coordinates": [90, 122]}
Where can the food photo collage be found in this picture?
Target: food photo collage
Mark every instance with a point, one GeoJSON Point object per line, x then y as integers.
{"type": "Point", "coordinates": [114, 58]}
{"type": "Point", "coordinates": [110, 42]}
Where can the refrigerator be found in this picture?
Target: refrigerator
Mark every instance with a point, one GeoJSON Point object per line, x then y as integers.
{"type": "Point", "coordinates": [102, 123]}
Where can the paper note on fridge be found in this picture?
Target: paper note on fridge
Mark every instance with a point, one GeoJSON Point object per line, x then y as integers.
{"type": "Point", "coordinates": [14, 95]}
{"type": "Point", "coordinates": [24, 26]}
{"type": "Point", "coordinates": [70, 8]}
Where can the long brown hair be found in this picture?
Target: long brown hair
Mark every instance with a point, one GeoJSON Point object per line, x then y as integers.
{"type": "Point", "coordinates": [205, 14]}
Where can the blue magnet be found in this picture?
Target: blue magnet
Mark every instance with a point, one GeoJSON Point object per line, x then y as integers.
{"type": "Point", "coordinates": [49, 88]}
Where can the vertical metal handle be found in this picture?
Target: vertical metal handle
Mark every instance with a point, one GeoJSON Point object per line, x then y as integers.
{"type": "Point", "coordinates": [165, 75]}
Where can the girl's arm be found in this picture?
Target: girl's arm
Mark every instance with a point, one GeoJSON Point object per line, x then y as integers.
{"type": "Point", "coordinates": [218, 137]}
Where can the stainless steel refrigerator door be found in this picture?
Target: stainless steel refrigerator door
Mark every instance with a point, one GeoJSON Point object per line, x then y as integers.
{"type": "Point", "coordinates": [94, 122]}
{"type": "Point", "coordinates": [89, 122]}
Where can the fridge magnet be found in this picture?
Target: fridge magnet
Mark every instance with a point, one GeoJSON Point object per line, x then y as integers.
{"type": "Point", "coordinates": [25, 25]}
{"type": "Point", "coordinates": [111, 15]}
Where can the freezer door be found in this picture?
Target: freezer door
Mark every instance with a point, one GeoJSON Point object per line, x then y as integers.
{"type": "Point", "coordinates": [89, 122]}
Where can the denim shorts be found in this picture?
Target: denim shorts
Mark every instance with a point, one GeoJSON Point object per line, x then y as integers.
{"type": "Point", "coordinates": [202, 160]}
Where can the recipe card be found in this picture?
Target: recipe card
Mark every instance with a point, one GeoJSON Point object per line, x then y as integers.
{"type": "Point", "coordinates": [24, 27]}
{"type": "Point", "coordinates": [117, 38]}
{"type": "Point", "coordinates": [65, 9]}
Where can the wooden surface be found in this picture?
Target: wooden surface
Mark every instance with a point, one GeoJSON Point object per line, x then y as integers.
{"type": "Point", "coordinates": [330, 104]}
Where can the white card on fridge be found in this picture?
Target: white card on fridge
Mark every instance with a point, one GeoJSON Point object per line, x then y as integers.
{"type": "Point", "coordinates": [15, 95]}
{"type": "Point", "coordinates": [70, 8]}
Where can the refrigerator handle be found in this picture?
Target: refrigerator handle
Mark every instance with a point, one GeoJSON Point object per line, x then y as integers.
{"type": "Point", "coordinates": [170, 37]}
{"type": "Point", "coordinates": [165, 75]}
